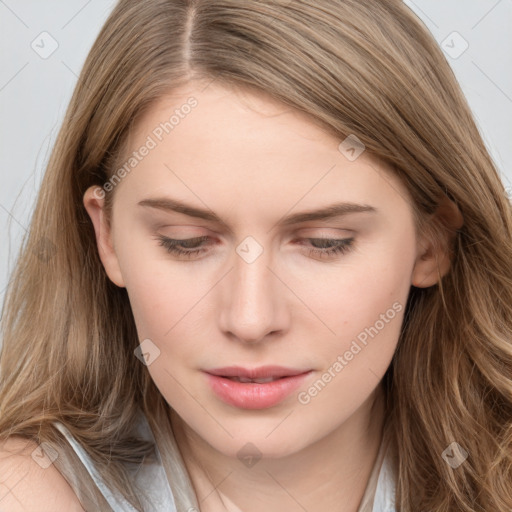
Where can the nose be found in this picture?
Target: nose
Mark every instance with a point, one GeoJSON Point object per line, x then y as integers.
{"type": "Point", "coordinates": [253, 305]}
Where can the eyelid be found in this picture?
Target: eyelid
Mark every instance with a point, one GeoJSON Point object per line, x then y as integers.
{"type": "Point", "coordinates": [340, 247]}
{"type": "Point", "coordinates": [327, 231]}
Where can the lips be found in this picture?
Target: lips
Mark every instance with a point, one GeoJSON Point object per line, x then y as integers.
{"type": "Point", "coordinates": [256, 388]}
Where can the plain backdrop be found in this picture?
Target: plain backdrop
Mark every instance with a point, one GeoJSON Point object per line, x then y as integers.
{"type": "Point", "coordinates": [44, 45]}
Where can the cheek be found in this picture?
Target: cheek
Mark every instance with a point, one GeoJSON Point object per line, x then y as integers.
{"type": "Point", "coordinates": [366, 317]}
{"type": "Point", "coordinates": [163, 301]}
{"type": "Point", "coordinates": [352, 295]}
{"type": "Point", "coordinates": [160, 290]}
{"type": "Point", "coordinates": [362, 303]}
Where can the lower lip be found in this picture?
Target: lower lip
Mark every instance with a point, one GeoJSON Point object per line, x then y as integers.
{"type": "Point", "coordinates": [252, 395]}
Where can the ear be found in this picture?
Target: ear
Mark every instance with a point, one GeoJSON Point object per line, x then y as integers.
{"type": "Point", "coordinates": [434, 255]}
{"type": "Point", "coordinates": [94, 202]}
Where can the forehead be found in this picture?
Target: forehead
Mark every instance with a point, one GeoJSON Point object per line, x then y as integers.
{"type": "Point", "coordinates": [206, 139]}
{"type": "Point", "coordinates": [229, 114]}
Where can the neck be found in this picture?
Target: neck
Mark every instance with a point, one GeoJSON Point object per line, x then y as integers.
{"type": "Point", "coordinates": [330, 474]}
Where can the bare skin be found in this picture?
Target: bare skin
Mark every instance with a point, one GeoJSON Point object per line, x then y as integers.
{"type": "Point", "coordinates": [252, 162]}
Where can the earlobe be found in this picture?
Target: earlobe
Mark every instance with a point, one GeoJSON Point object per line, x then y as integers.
{"type": "Point", "coordinates": [434, 255]}
{"type": "Point", "coordinates": [94, 204]}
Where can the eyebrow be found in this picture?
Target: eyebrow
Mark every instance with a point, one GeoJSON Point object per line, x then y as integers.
{"type": "Point", "coordinates": [325, 213]}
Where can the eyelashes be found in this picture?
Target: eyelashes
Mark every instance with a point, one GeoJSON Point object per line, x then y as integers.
{"type": "Point", "coordinates": [192, 247]}
{"type": "Point", "coordinates": [175, 246]}
{"type": "Point", "coordinates": [335, 246]}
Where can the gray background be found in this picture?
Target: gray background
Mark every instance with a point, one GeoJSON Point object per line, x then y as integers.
{"type": "Point", "coordinates": [35, 86]}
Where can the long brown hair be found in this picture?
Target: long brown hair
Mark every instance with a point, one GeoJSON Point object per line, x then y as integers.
{"type": "Point", "coordinates": [370, 69]}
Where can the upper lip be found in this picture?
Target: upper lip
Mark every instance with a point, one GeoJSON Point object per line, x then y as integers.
{"type": "Point", "coordinates": [261, 372]}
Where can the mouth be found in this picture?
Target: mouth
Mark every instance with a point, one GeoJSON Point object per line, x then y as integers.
{"type": "Point", "coordinates": [257, 388]}
{"type": "Point", "coordinates": [246, 380]}
{"type": "Point", "coordinates": [261, 373]}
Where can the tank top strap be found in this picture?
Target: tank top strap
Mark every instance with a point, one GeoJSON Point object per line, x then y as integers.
{"type": "Point", "coordinates": [379, 495]}
{"type": "Point", "coordinates": [150, 477]}
{"type": "Point", "coordinates": [384, 500]}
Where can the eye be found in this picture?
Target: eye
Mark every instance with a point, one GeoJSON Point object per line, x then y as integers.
{"type": "Point", "coordinates": [322, 247]}
{"type": "Point", "coordinates": [190, 245]}
{"type": "Point", "coordinates": [329, 247]}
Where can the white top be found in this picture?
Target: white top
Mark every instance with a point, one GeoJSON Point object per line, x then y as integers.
{"type": "Point", "coordinates": [379, 495]}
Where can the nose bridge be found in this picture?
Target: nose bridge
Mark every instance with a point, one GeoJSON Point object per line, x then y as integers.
{"type": "Point", "coordinates": [252, 307]}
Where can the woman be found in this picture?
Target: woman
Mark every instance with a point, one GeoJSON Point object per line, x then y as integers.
{"type": "Point", "coordinates": [268, 270]}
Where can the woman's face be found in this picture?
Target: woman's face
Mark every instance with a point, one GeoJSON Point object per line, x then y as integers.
{"type": "Point", "coordinates": [298, 252]}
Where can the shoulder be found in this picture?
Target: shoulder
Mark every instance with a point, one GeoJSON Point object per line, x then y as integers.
{"type": "Point", "coordinates": [29, 481]}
